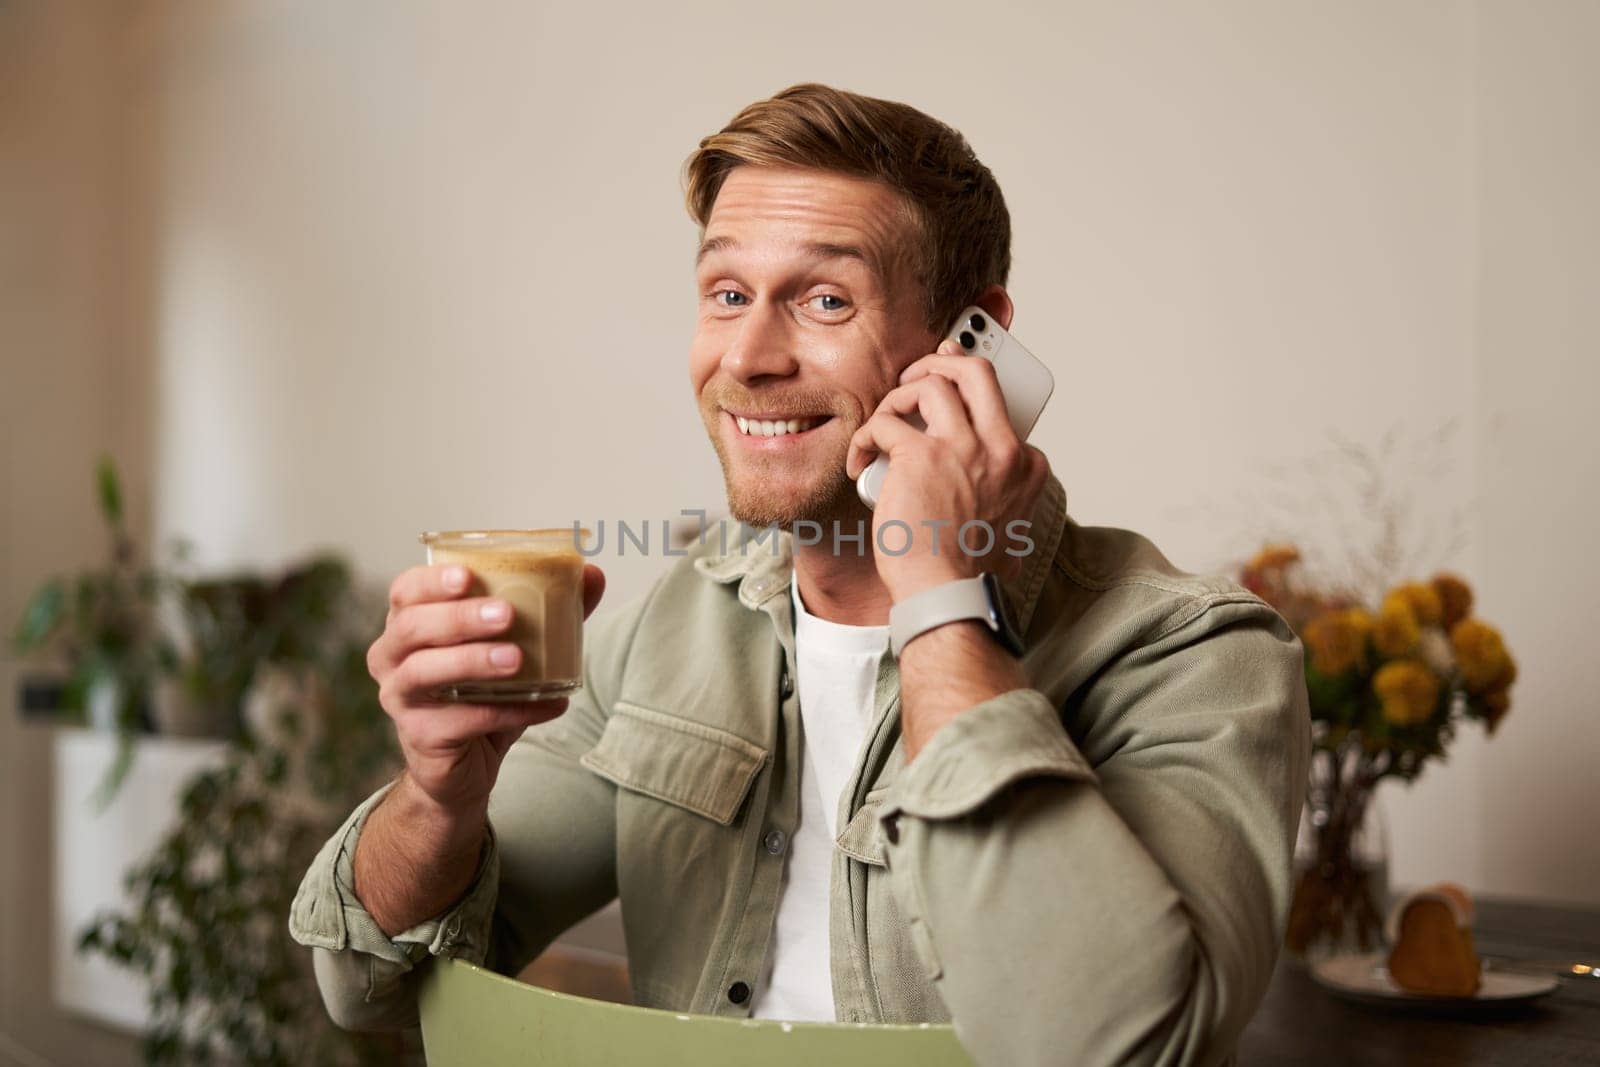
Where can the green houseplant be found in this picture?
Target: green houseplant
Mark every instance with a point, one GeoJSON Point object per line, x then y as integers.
{"type": "Point", "coordinates": [208, 924]}
{"type": "Point", "coordinates": [101, 624]}
{"type": "Point", "coordinates": [232, 624]}
{"type": "Point", "coordinates": [148, 647]}
{"type": "Point", "coordinates": [276, 665]}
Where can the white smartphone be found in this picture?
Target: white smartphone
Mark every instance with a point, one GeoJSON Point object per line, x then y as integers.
{"type": "Point", "coordinates": [1025, 383]}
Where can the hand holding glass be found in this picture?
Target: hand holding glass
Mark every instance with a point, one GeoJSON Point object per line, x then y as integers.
{"type": "Point", "coordinates": [540, 574]}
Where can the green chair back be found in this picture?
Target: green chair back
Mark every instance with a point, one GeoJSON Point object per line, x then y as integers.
{"type": "Point", "coordinates": [476, 1018]}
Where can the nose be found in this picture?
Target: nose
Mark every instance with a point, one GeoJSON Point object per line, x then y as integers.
{"type": "Point", "coordinates": [762, 346]}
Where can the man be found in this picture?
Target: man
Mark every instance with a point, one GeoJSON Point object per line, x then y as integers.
{"type": "Point", "coordinates": [1079, 853]}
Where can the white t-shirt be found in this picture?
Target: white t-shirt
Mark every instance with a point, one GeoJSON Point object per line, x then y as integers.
{"type": "Point", "coordinates": [837, 673]}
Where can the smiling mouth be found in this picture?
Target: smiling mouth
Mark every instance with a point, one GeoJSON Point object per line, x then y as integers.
{"type": "Point", "coordinates": [758, 426]}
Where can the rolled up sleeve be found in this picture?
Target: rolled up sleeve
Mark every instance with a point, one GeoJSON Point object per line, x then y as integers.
{"type": "Point", "coordinates": [1129, 911]}
{"type": "Point", "coordinates": [359, 967]}
{"type": "Point", "coordinates": [1012, 738]}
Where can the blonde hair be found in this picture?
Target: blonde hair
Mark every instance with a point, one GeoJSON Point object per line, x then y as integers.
{"type": "Point", "coordinates": [959, 225]}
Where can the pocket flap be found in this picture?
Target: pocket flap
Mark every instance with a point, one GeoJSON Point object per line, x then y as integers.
{"type": "Point", "coordinates": [700, 768]}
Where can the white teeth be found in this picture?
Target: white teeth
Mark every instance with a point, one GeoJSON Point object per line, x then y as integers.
{"type": "Point", "coordinates": [773, 427]}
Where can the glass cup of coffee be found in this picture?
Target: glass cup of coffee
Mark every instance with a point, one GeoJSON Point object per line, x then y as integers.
{"type": "Point", "coordinates": [540, 574]}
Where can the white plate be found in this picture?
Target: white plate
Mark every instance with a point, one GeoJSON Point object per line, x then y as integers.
{"type": "Point", "coordinates": [1364, 976]}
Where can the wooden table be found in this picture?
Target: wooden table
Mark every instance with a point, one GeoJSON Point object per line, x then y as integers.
{"type": "Point", "coordinates": [1301, 1023]}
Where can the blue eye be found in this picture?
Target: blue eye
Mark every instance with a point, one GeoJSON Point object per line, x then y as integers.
{"type": "Point", "coordinates": [736, 299]}
{"type": "Point", "coordinates": [838, 302]}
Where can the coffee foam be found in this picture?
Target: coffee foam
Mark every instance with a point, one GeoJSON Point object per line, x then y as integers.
{"type": "Point", "coordinates": [531, 560]}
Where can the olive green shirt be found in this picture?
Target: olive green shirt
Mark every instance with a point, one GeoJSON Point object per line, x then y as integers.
{"type": "Point", "coordinates": [1089, 870]}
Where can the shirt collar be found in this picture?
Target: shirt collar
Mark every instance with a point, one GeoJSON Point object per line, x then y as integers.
{"type": "Point", "coordinates": [762, 561]}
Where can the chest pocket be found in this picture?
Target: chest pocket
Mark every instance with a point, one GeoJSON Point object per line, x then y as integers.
{"type": "Point", "coordinates": [700, 768]}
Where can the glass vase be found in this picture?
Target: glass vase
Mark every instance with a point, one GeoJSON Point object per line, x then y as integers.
{"type": "Point", "coordinates": [1341, 875]}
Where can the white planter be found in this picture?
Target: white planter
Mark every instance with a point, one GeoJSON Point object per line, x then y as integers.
{"type": "Point", "coordinates": [94, 851]}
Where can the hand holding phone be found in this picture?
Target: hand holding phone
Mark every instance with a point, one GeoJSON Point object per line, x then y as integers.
{"type": "Point", "coordinates": [1025, 383]}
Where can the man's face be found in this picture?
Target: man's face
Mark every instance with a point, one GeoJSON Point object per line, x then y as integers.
{"type": "Point", "coordinates": [808, 312]}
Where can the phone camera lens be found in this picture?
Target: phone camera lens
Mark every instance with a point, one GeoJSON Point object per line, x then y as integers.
{"type": "Point", "coordinates": [967, 340]}
{"type": "Point", "coordinates": [979, 323]}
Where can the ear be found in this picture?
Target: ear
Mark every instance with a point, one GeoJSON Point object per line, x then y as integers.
{"type": "Point", "coordinates": [997, 302]}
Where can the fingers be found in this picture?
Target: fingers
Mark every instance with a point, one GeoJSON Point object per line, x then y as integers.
{"type": "Point", "coordinates": [436, 581]}
{"type": "Point", "coordinates": [879, 435]}
{"type": "Point", "coordinates": [959, 398]}
{"type": "Point", "coordinates": [936, 398]}
{"type": "Point", "coordinates": [944, 416]}
{"type": "Point", "coordinates": [594, 586]}
{"type": "Point", "coordinates": [426, 670]}
{"type": "Point", "coordinates": [423, 614]}
{"type": "Point", "coordinates": [424, 625]}
{"type": "Point", "coordinates": [975, 380]}
{"type": "Point", "coordinates": [435, 637]}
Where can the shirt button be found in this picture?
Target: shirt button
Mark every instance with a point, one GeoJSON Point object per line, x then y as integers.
{"type": "Point", "coordinates": [738, 992]}
{"type": "Point", "coordinates": [785, 685]}
{"type": "Point", "coordinates": [774, 842]}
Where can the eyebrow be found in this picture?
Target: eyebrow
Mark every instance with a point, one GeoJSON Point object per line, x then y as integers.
{"type": "Point", "coordinates": [814, 249]}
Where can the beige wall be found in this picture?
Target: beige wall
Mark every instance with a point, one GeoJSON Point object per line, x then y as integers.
{"type": "Point", "coordinates": [334, 273]}
{"type": "Point", "coordinates": [394, 286]}
{"type": "Point", "coordinates": [1538, 327]}
{"type": "Point", "coordinates": [66, 394]}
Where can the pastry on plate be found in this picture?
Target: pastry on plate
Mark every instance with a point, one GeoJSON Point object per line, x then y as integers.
{"type": "Point", "coordinates": [1431, 934]}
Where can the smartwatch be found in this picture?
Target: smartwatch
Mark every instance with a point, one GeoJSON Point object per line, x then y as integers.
{"type": "Point", "coordinates": [978, 598]}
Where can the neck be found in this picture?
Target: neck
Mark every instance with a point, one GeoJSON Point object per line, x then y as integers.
{"type": "Point", "coordinates": [841, 586]}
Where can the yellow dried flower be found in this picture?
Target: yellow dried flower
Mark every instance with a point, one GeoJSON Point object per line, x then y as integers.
{"type": "Point", "coordinates": [1481, 656]}
{"type": "Point", "coordinates": [1274, 557]}
{"type": "Point", "coordinates": [1495, 703]}
{"type": "Point", "coordinates": [1421, 598]}
{"type": "Point", "coordinates": [1455, 597]}
{"type": "Point", "coordinates": [1337, 640]}
{"type": "Point", "coordinates": [1396, 632]}
{"type": "Point", "coordinates": [1360, 620]}
{"type": "Point", "coordinates": [1409, 691]}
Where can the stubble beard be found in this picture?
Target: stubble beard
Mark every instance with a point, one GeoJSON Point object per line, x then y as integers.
{"type": "Point", "coordinates": [757, 502]}
{"type": "Point", "coordinates": [763, 492]}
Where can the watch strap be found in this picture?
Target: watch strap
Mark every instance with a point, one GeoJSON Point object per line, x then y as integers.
{"type": "Point", "coordinates": [965, 598]}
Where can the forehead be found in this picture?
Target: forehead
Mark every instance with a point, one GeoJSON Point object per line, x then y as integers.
{"type": "Point", "coordinates": [790, 206]}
